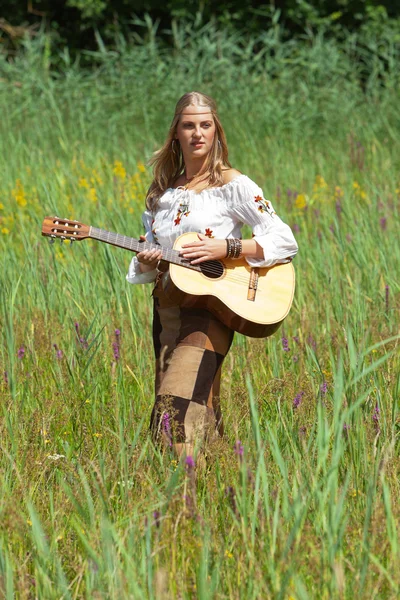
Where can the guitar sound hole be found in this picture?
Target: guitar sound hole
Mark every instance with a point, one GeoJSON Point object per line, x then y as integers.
{"type": "Point", "coordinates": [212, 269]}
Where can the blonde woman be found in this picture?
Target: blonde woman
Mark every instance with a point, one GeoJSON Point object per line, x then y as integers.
{"type": "Point", "coordinates": [196, 189]}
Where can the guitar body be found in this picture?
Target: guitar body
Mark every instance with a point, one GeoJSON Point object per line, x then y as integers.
{"type": "Point", "coordinates": [229, 292]}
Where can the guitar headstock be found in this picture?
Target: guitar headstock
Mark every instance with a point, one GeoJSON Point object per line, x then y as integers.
{"type": "Point", "coordinates": [64, 229]}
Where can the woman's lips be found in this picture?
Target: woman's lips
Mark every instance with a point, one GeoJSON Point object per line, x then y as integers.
{"type": "Point", "coordinates": [197, 144]}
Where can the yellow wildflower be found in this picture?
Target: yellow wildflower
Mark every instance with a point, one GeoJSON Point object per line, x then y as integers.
{"type": "Point", "coordinates": [29, 522]}
{"type": "Point", "coordinates": [19, 194]}
{"type": "Point", "coordinates": [319, 183]}
{"type": "Point", "coordinates": [1, 206]}
{"type": "Point", "coordinates": [5, 231]}
{"type": "Point", "coordinates": [98, 435]}
{"type": "Point", "coordinates": [83, 183]}
{"type": "Point", "coordinates": [228, 554]}
{"type": "Point", "coordinates": [92, 195]}
{"type": "Point", "coordinates": [301, 201]}
{"type": "Point", "coordinates": [119, 170]}
{"type": "Point", "coordinates": [141, 167]}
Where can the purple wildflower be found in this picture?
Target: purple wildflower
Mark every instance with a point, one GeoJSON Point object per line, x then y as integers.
{"type": "Point", "coordinates": [332, 228]}
{"type": "Point", "coordinates": [302, 430]}
{"type": "Point", "coordinates": [239, 450]}
{"type": "Point", "coordinates": [296, 228]}
{"type": "Point", "coordinates": [383, 223]}
{"type": "Point", "coordinates": [296, 339]}
{"type": "Point", "coordinates": [311, 342]}
{"type": "Point", "coordinates": [116, 351]}
{"type": "Point", "coordinates": [338, 208]}
{"type": "Point", "coordinates": [77, 328]}
{"type": "Point", "coordinates": [58, 352]}
{"type": "Point", "coordinates": [156, 517]}
{"type": "Point", "coordinates": [346, 428]}
{"type": "Point", "coordinates": [189, 462]}
{"type": "Point", "coordinates": [84, 342]}
{"type": "Point", "coordinates": [21, 352]}
{"type": "Point", "coordinates": [285, 344]}
{"type": "Point", "coordinates": [6, 377]}
{"type": "Point", "coordinates": [297, 400]}
{"type": "Point", "coordinates": [289, 193]}
{"type": "Point", "coordinates": [295, 358]}
{"type": "Point", "coordinates": [116, 345]}
{"type": "Point", "coordinates": [323, 388]}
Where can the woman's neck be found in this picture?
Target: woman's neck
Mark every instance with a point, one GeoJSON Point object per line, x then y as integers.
{"type": "Point", "coordinates": [193, 167]}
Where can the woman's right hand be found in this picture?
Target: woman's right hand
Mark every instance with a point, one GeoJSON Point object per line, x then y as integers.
{"type": "Point", "coordinates": [148, 259]}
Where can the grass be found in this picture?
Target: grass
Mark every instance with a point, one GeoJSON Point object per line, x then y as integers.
{"type": "Point", "coordinates": [89, 509]}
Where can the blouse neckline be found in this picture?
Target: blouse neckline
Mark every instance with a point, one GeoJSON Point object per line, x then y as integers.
{"type": "Point", "coordinates": [220, 187]}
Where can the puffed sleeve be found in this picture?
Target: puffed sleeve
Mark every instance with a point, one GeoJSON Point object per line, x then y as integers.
{"type": "Point", "coordinates": [134, 274]}
{"type": "Point", "coordinates": [269, 231]}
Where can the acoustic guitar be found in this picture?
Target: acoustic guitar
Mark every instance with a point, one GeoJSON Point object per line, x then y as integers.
{"type": "Point", "coordinates": [251, 301]}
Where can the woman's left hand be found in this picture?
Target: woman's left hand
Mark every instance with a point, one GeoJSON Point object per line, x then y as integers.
{"type": "Point", "coordinates": [205, 249]}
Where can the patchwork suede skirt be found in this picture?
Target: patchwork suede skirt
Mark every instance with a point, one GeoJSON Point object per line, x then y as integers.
{"type": "Point", "coordinates": [190, 345]}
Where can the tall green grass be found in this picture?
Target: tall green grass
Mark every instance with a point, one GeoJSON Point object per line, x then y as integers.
{"type": "Point", "coordinates": [89, 508]}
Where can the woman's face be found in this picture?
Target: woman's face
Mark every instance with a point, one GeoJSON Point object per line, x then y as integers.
{"type": "Point", "coordinates": [195, 131]}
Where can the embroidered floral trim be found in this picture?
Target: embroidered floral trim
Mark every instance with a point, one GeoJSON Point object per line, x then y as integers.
{"type": "Point", "coordinates": [263, 205]}
{"type": "Point", "coordinates": [209, 233]}
{"type": "Point", "coordinates": [183, 210]}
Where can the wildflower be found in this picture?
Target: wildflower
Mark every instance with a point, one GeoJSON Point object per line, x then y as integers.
{"type": "Point", "coordinates": [189, 463]}
{"type": "Point", "coordinates": [338, 208]}
{"type": "Point", "coordinates": [375, 418]}
{"type": "Point", "coordinates": [5, 230]}
{"type": "Point", "coordinates": [285, 344]}
{"type": "Point", "coordinates": [6, 377]}
{"type": "Point", "coordinates": [301, 201]}
{"type": "Point", "coordinates": [228, 554]}
{"type": "Point", "coordinates": [346, 428]}
{"type": "Point", "coordinates": [295, 358]}
{"type": "Point", "coordinates": [297, 400]}
{"type": "Point", "coordinates": [296, 228]}
{"type": "Point", "coordinates": [21, 352]}
{"type": "Point", "coordinates": [296, 339]}
{"type": "Point", "coordinates": [19, 194]}
{"type": "Point", "coordinates": [239, 450]}
{"type": "Point", "coordinates": [323, 388]}
{"type": "Point", "coordinates": [58, 352]}
{"type": "Point", "coordinates": [311, 342]}
{"type": "Point", "coordinates": [83, 183]}
{"type": "Point", "coordinates": [55, 456]}
{"type": "Point", "coordinates": [156, 517]}
{"type": "Point", "coordinates": [116, 345]}
{"type": "Point", "coordinates": [119, 170]}
{"type": "Point", "coordinates": [383, 223]}
{"type": "Point", "coordinates": [92, 194]}
{"type": "Point", "coordinates": [98, 435]}
{"type": "Point", "coordinates": [302, 430]}
{"type": "Point", "coordinates": [141, 167]}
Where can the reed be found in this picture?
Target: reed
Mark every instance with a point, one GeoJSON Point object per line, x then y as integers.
{"type": "Point", "coordinates": [299, 499]}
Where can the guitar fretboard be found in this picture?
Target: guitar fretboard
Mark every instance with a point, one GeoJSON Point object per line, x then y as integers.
{"type": "Point", "coordinates": [122, 241]}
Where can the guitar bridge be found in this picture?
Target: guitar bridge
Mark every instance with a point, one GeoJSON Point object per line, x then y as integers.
{"type": "Point", "coordinates": [253, 283]}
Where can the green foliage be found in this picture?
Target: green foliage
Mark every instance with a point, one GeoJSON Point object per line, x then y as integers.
{"type": "Point", "coordinates": [89, 509]}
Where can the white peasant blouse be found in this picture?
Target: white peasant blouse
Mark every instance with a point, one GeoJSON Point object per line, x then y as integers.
{"type": "Point", "coordinates": [218, 212]}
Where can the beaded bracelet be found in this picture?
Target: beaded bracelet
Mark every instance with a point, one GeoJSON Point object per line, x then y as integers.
{"type": "Point", "coordinates": [233, 248]}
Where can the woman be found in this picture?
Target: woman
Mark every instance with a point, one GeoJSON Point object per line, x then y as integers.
{"type": "Point", "coordinates": [196, 189]}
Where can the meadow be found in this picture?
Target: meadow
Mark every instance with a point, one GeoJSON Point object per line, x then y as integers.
{"type": "Point", "coordinates": [298, 500]}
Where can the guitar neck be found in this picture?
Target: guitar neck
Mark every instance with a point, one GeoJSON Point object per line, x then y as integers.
{"type": "Point", "coordinates": [122, 241]}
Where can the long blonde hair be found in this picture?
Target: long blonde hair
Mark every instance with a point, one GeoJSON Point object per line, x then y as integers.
{"type": "Point", "coordinates": [168, 163]}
